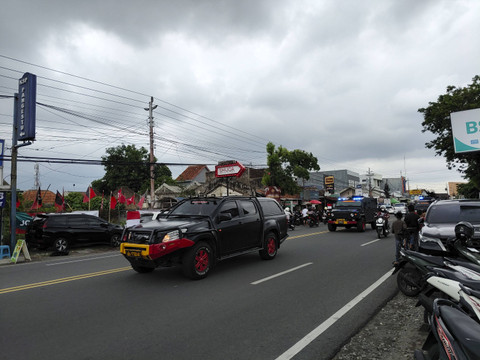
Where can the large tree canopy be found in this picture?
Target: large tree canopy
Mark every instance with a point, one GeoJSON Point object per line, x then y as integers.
{"type": "Point", "coordinates": [284, 166]}
{"type": "Point", "coordinates": [125, 165]}
{"type": "Point", "coordinates": [437, 121]}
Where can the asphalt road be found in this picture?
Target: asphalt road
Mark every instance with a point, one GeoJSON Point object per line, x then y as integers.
{"type": "Point", "coordinates": [305, 304]}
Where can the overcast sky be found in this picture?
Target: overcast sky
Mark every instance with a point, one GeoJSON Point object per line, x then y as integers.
{"type": "Point", "coordinates": [340, 79]}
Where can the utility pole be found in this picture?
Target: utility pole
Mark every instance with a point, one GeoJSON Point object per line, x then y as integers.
{"type": "Point", "coordinates": [369, 175]}
{"type": "Point", "coordinates": [152, 165]}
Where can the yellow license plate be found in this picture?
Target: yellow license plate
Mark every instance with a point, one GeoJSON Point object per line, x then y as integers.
{"type": "Point", "coordinates": [341, 221]}
{"type": "Point", "coordinates": [133, 253]}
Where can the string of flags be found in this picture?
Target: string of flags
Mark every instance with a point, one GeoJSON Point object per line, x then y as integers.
{"type": "Point", "coordinates": [89, 194]}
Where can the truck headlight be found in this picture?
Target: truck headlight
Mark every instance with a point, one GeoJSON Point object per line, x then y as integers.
{"type": "Point", "coordinates": [172, 235]}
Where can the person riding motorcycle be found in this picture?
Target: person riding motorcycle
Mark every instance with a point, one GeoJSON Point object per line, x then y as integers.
{"type": "Point", "coordinates": [383, 212]}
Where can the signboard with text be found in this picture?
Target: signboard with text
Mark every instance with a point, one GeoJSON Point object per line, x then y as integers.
{"type": "Point", "coordinates": [226, 170]}
{"type": "Point", "coordinates": [466, 130]}
{"type": "Point", "coordinates": [27, 100]}
{"type": "Point", "coordinates": [329, 181]}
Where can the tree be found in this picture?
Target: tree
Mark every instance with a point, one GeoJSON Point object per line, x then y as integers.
{"type": "Point", "coordinates": [125, 165]}
{"type": "Point", "coordinates": [284, 165]}
{"type": "Point", "coordinates": [386, 190]}
{"type": "Point", "coordinates": [468, 190]}
{"type": "Point", "coordinates": [437, 121]}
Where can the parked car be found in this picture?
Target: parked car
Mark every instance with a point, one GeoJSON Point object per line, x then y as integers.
{"type": "Point", "coordinates": [62, 231]}
{"type": "Point", "coordinates": [440, 221]}
{"type": "Point", "coordinates": [402, 207]}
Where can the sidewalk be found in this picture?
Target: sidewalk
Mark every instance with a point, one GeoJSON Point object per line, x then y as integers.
{"type": "Point", "coordinates": [43, 255]}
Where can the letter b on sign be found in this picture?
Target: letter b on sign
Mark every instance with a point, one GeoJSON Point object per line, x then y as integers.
{"type": "Point", "coordinates": [471, 127]}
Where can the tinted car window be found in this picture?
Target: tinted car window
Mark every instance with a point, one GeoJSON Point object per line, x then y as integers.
{"type": "Point", "coordinates": [271, 207]}
{"type": "Point", "coordinates": [57, 221]}
{"type": "Point", "coordinates": [230, 207]}
{"type": "Point", "coordinates": [248, 207]}
{"type": "Point", "coordinates": [195, 207]}
{"type": "Point", "coordinates": [453, 213]}
{"type": "Point", "coordinates": [76, 221]}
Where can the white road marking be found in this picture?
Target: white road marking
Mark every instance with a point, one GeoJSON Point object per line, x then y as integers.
{"type": "Point", "coordinates": [80, 260]}
{"type": "Point", "coordinates": [280, 274]}
{"type": "Point", "coordinates": [370, 242]}
{"type": "Point", "coordinates": [299, 346]}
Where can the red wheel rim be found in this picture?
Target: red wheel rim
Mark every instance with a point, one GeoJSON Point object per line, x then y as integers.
{"type": "Point", "coordinates": [201, 260]}
{"type": "Point", "coordinates": [272, 248]}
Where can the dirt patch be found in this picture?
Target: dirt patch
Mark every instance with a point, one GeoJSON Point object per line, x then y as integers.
{"type": "Point", "coordinates": [393, 333]}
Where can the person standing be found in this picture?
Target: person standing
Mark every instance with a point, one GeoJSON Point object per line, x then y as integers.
{"type": "Point", "coordinates": [413, 227]}
{"type": "Point", "coordinates": [399, 228]}
{"type": "Point", "coordinates": [304, 215]}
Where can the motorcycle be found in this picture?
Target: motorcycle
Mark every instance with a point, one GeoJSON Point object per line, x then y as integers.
{"type": "Point", "coordinates": [381, 224]}
{"type": "Point", "coordinates": [456, 282]}
{"type": "Point", "coordinates": [453, 334]}
{"type": "Point", "coordinates": [313, 219]}
{"type": "Point", "coordinates": [297, 218]}
{"type": "Point", "coordinates": [414, 266]}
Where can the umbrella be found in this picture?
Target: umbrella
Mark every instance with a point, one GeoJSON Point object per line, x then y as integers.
{"type": "Point", "coordinates": [315, 202]}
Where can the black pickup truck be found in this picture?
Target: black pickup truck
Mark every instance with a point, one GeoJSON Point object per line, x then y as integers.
{"type": "Point", "coordinates": [200, 231]}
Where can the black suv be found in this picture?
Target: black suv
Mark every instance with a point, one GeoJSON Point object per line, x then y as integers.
{"type": "Point", "coordinates": [440, 221]}
{"type": "Point", "coordinates": [61, 231]}
{"type": "Point", "coordinates": [355, 212]}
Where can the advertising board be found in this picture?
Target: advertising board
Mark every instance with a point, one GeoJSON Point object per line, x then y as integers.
{"type": "Point", "coordinates": [466, 130]}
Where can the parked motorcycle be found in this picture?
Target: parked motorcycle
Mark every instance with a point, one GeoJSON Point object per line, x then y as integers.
{"type": "Point", "coordinates": [414, 266]}
{"type": "Point", "coordinates": [453, 334]}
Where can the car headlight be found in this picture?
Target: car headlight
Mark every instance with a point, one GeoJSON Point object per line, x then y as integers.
{"type": "Point", "coordinates": [172, 235]}
{"type": "Point", "coordinates": [380, 220]}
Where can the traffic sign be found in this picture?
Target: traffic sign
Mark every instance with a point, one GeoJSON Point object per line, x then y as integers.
{"type": "Point", "coordinates": [235, 169]}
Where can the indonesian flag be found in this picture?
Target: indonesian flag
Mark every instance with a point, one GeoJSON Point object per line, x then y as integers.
{"type": "Point", "coordinates": [37, 203]}
{"type": "Point", "coordinates": [89, 194]}
{"type": "Point", "coordinates": [113, 202]}
{"type": "Point", "coordinates": [121, 197]}
{"type": "Point", "coordinates": [101, 205]}
{"type": "Point", "coordinates": [140, 202]}
{"type": "Point", "coordinates": [59, 202]}
{"type": "Point", "coordinates": [131, 200]}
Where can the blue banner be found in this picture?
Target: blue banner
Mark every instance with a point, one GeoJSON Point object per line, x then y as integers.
{"type": "Point", "coordinates": [27, 93]}
{"type": "Point", "coordinates": [3, 199]}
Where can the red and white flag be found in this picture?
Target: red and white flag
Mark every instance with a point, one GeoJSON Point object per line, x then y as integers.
{"type": "Point", "coordinates": [89, 194]}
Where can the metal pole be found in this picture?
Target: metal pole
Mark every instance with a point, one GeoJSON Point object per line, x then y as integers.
{"type": "Point", "coordinates": [13, 201]}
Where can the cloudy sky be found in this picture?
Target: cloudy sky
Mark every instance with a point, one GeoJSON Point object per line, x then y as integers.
{"type": "Point", "coordinates": [340, 79]}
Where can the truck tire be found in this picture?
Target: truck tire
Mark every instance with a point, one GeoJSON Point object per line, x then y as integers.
{"type": "Point", "coordinates": [332, 227]}
{"type": "Point", "coordinates": [197, 261]}
{"type": "Point", "coordinates": [361, 226]}
{"type": "Point", "coordinates": [270, 247]}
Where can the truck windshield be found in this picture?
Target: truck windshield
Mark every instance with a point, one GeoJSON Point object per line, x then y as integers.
{"type": "Point", "coordinates": [349, 204]}
{"type": "Point", "coordinates": [195, 207]}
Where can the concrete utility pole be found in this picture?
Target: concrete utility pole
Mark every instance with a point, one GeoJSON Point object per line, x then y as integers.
{"type": "Point", "coordinates": [369, 175]}
{"type": "Point", "coordinates": [152, 166]}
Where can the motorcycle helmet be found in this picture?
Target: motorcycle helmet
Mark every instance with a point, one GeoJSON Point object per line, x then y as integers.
{"type": "Point", "coordinates": [287, 209]}
{"type": "Point", "coordinates": [464, 230]}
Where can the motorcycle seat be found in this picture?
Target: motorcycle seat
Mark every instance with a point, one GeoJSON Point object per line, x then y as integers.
{"type": "Point", "coordinates": [464, 329]}
{"type": "Point", "coordinates": [436, 260]}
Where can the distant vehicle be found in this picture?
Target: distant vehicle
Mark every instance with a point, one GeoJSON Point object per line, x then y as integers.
{"type": "Point", "coordinates": [402, 207]}
{"type": "Point", "coordinates": [422, 205]}
{"type": "Point", "coordinates": [62, 231]}
{"type": "Point", "coordinates": [353, 212]}
{"type": "Point", "coordinates": [390, 209]}
{"type": "Point", "coordinates": [198, 232]}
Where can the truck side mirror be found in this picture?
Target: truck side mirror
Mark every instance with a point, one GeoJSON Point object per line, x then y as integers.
{"type": "Point", "coordinates": [224, 217]}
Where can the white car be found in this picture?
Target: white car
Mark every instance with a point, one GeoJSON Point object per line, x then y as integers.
{"type": "Point", "coordinates": [400, 207]}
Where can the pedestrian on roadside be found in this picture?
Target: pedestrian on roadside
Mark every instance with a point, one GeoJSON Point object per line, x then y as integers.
{"type": "Point", "coordinates": [304, 215]}
{"type": "Point", "coordinates": [413, 226]}
{"type": "Point", "coordinates": [399, 229]}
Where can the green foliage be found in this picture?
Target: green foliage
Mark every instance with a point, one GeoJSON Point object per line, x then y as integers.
{"type": "Point", "coordinates": [468, 190]}
{"type": "Point", "coordinates": [284, 165]}
{"type": "Point", "coordinates": [125, 165]}
{"type": "Point", "coordinates": [437, 121]}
